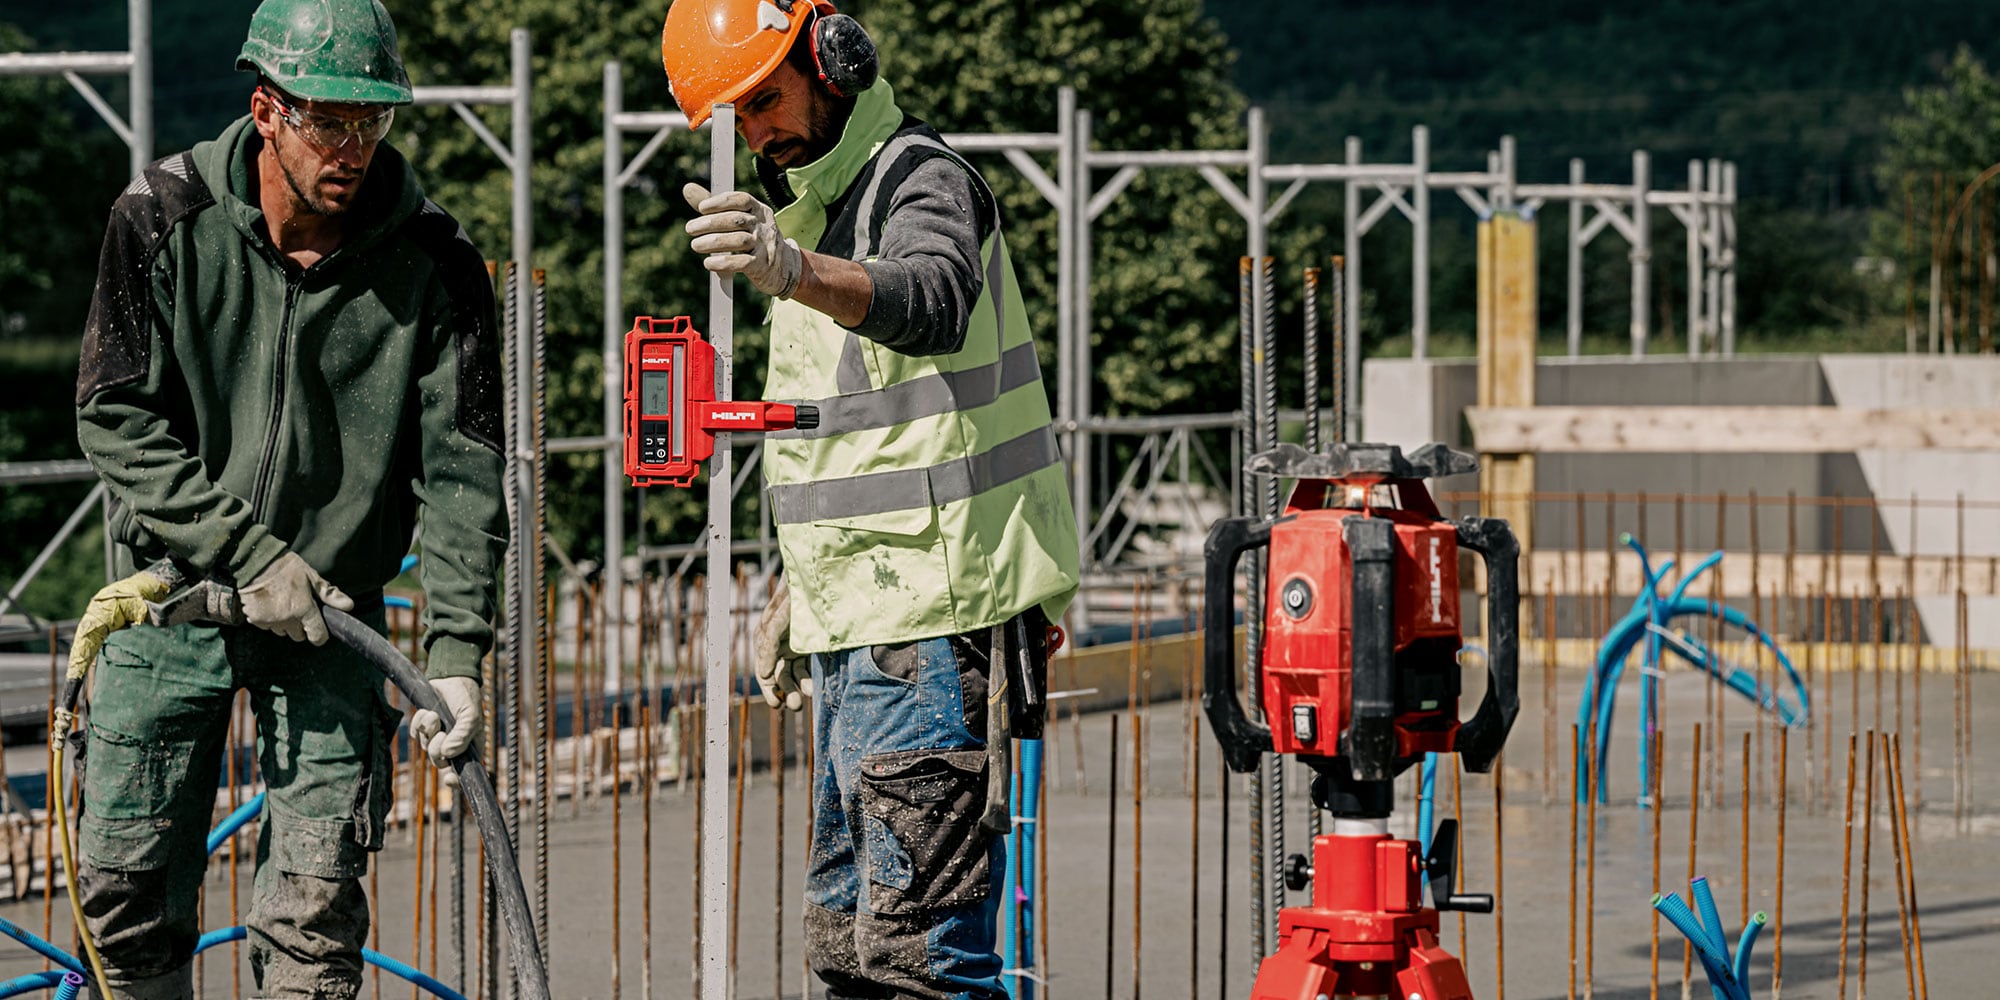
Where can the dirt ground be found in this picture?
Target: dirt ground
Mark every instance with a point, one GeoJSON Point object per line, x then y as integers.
{"type": "Point", "coordinates": [1187, 942]}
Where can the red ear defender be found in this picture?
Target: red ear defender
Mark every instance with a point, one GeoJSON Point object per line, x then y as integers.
{"type": "Point", "coordinates": [844, 54]}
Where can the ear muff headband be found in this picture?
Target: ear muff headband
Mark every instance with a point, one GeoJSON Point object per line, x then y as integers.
{"type": "Point", "coordinates": [844, 54]}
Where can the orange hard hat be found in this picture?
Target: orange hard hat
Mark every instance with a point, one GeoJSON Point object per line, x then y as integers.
{"type": "Point", "coordinates": [714, 51]}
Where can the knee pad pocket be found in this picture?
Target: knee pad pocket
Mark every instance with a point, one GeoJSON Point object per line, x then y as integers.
{"type": "Point", "coordinates": [923, 847]}
{"type": "Point", "coordinates": [130, 784]}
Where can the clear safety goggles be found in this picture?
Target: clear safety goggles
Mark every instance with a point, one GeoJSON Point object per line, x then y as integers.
{"type": "Point", "coordinates": [328, 132]}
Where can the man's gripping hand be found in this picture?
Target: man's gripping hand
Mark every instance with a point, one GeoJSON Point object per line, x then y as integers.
{"type": "Point", "coordinates": [119, 605]}
{"type": "Point", "coordinates": [738, 235]}
{"type": "Point", "coordinates": [783, 675]}
{"type": "Point", "coordinates": [461, 698]}
{"type": "Point", "coordinates": [285, 599]}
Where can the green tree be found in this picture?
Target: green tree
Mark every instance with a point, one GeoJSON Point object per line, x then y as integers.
{"type": "Point", "coordinates": [1942, 142]}
{"type": "Point", "coordinates": [1157, 74]}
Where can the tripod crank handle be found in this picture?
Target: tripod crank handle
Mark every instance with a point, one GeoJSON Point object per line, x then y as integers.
{"type": "Point", "coordinates": [1466, 902]}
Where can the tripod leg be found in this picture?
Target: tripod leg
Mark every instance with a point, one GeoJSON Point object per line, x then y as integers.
{"type": "Point", "coordinates": [1430, 972]}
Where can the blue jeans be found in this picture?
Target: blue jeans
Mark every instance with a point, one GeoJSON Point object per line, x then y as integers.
{"type": "Point", "coordinates": [902, 883]}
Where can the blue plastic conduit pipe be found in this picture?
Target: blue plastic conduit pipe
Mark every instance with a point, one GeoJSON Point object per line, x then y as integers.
{"type": "Point", "coordinates": [33, 982]}
{"type": "Point", "coordinates": [234, 822]}
{"type": "Point", "coordinates": [71, 985]}
{"type": "Point", "coordinates": [40, 947]}
{"type": "Point", "coordinates": [1425, 809]}
{"type": "Point", "coordinates": [1728, 979]}
{"type": "Point", "coordinates": [392, 966]}
{"type": "Point", "coordinates": [1650, 619]}
{"type": "Point", "coordinates": [1018, 908]}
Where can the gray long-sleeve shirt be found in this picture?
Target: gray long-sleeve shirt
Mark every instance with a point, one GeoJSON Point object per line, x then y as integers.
{"type": "Point", "coordinates": [925, 265]}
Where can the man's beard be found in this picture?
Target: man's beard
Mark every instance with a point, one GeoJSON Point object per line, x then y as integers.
{"type": "Point", "coordinates": [306, 196]}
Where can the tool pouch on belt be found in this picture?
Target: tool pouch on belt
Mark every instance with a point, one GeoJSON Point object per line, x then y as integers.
{"type": "Point", "coordinates": [1027, 660]}
{"type": "Point", "coordinates": [999, 733]}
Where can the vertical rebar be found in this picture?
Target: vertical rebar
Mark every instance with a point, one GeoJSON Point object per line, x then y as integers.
{"type": "Point", "coordinates": [1778, 927]}
{"type": "Point", "coordinates": [1248, 499]}
{"type": "Point", "coordinates": [1548, 689]}
{"type": "Point", "coordinates": [1694, 839]}
{"type": "Point", "coordinates": [235, 748]}
{"type": "Point", "coordinates": [1337, 350]}
{"type": "Point", "coordinates": [1267, 409]}
{"type": "Point", "coordinates": [1910, 869]}
{"type": "Point", "coordinates": [1659, 806]}
{"type": "Point", "coordinates": [1138, 840]}
{"type": "Point", "coordinates": [1576, 777]}
{"type": "Point", "coordinates": [1896, 852]}
{"type": "Point", "coordinates": [1111, 864]}
{"type": "Point", "coordinates": [536, 588]}
{"type": "Point", "coordinates": [1458, 845]}
{"type": "Point", "coordinates": [1590, 866]}
{"type": "Point", "coordinates": [778, 857]}
{"type": "Point", "coordinates": [1846, 866]}
{"type": "Point", "coordinates": [1743, 872]}
{"type": "Point", "coordinates": [1312, 358]}
{"type": "Point", "coordinates": [1867, 859]}
{"type": "Point", "coordinates": [418, 775]}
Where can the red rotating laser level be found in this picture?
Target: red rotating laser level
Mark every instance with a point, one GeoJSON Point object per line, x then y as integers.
{"type": "Point", "coordinates": [671, 413]}
{"type": "Point", "coordinates": [1360, 679]}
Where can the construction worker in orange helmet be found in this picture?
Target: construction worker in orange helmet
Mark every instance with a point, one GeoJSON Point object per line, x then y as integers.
{"type": "Point", "coordinates": [925, 526]}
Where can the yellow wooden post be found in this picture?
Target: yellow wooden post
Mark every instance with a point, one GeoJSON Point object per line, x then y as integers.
{"type": "Point", "coordinates": [1507, 333]}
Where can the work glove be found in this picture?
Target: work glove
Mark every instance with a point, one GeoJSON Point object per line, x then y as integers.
{"type": "Point", "coordinates": [738, 234]}
{"type": "Point", "coordinates": [784, 675]}
{"type": "Point", "coordinates": [285, 599]}
{"type": "Point", "coordinates": [119, 605]}
{"type": "Point", "coordinates": [461, 698]}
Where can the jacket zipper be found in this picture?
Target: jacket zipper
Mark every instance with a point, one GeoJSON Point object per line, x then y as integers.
{"type": "Point", "coordinates": [277, 401]}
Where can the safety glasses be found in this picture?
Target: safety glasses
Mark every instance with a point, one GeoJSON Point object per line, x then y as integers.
{"type": "Point", "coordinates": [327, 132]}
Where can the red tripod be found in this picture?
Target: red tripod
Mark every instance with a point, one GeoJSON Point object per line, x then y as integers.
{"type": "Point", "coordinates": [1360, 680]}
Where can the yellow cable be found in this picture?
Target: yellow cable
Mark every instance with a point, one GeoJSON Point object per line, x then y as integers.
{"type": "Point", "coordinates": [58, 795]}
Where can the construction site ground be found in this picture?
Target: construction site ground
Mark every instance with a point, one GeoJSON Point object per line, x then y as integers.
{"type": "Point", "coordinates": [1193, 911]}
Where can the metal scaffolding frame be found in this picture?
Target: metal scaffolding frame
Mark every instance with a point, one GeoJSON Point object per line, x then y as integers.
{"type": "Point", "coordinates": [135, 63]}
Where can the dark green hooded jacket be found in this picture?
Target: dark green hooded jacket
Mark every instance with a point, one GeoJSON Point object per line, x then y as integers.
{"type": "Point", "coordinates": [237, 406]}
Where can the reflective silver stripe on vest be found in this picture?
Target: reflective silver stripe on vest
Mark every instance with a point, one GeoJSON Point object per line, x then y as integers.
{"type": "Point", "coordinates": [928, 396]}
{"type": "Point", "coordinates": [904, 489]}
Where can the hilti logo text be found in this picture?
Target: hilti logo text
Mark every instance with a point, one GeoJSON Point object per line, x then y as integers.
{"type": "Point", "coordinates": [1437, 585]}
{"type": "Point", "coordinates": [657, 362]}
{"type": "Point", "coordinates": [737, 417]}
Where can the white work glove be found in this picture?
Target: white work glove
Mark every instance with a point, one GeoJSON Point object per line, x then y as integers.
{"type": "Point", "coordinates": [737, 233]}
{"type": "Point", "coordinates": [285, 599]}
{"type": "Point", "coordinates": [119, 605]}
{"type": "Point", "coordinates": [461, 698]}
{"type": "Point", "coordinates": [784, 675]}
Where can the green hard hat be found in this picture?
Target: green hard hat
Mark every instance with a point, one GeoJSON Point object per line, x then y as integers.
{"type": "Point", "coordinates": [341, 51]}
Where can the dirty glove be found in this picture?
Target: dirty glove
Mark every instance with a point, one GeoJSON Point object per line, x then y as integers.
{"type": "Point", "coordinates": [119, 605]}
{"type": "Point", "coordinates": [784, 675]}
{"type": "Point", "coordinates": [737, 233]}
{"type": "Point", "coordinates": [461, 698]}
{"type": "Point", "coordinates": [285, 599]}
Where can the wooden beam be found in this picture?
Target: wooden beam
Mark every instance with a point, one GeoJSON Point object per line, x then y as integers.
{"type": "Point", "coordinates": [1728, 429]}
{"type": "Point", "coordinates": [1846, 574]}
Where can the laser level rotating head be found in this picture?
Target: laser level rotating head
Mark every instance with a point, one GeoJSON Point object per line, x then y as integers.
{"type": "Point", "coordinates": [338, 51]}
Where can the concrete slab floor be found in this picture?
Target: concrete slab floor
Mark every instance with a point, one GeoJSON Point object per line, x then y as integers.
{"type": "Point", "coordinates": [1185, 941]}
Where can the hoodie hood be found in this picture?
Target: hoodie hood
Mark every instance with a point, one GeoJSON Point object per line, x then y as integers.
{"type": "Point", "coordinates": [228, 165]}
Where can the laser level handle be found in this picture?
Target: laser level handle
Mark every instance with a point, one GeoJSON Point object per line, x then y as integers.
{"type": "Point", "coordinates": [1369, 744]}
{"type": "Point", "coordinates": [1243, 739]}
{"type": "Point", "coordinates": [1479, 740]}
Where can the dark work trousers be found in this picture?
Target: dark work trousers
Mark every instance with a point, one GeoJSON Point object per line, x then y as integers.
{"type": "Point", "coordinates": [902, 883]}
{"type": "Point", "coordinates": [158, 728]}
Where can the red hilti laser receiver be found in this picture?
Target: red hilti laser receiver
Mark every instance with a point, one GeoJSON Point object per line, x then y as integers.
{"type": "Point", "coordinates": [1360, 679]}
{"type": "Point", "coordinates": [671, 413]}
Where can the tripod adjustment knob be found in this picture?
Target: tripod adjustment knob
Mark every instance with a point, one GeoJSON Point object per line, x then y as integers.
{"type": "Point", "coordinates": [1298, 872]}
{"type": "Point", "coordinates": [1467, 902]}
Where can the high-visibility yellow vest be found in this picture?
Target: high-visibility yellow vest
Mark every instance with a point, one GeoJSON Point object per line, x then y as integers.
{"type": "Point", "coordinates": [931, 499]}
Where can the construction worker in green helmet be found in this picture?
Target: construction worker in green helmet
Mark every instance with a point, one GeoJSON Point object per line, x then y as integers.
{"type": "Point", "coordinates": [925, 523]}
{"type": "Point", "coordinates": [290, 367]}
